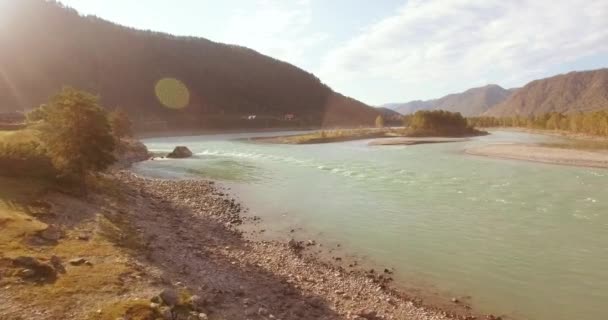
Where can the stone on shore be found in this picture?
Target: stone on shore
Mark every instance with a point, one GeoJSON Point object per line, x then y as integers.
{"type": "Point", "coordinates": [169, 297]}
{"type": "Point", "coordinates": [77, 261]}
{"type": "Point", "coordinates": [180, 152]}
{"type": "Point", "coordinates": [34, 269]}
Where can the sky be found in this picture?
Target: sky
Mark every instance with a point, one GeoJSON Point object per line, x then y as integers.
{"type": "Point", "coordinates": [391, 50]}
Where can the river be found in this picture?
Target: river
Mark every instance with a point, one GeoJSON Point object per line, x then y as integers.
{"type": "Point", "coordinates": [522, 239]}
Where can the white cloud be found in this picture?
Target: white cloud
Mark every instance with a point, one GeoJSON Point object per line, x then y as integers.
{"type": "Point", "coordinates": [276, 28]}
{"type": "Point", "coordinates": [432, 47]}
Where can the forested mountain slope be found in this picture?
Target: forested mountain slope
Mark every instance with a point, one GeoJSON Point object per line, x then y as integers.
{"type": "Point", "coordinates": [566, 93]}
{"type": "Point", "coordinates": [472, 102]}
{"type": "Point", "coordinates": [46, 46]}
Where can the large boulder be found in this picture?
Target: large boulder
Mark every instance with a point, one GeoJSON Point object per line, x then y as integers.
{"type": "Point", "coordinates": [129, 151]}
{"type": "Point", "coordinates": [180, 152]}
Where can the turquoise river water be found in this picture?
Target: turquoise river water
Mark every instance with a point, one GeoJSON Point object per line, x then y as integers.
{"type": "Point", "coordinates": [523, 239]}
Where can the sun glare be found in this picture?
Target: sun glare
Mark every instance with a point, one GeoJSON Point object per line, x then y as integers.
{"type": "Point", "coordinates": [172, 93]}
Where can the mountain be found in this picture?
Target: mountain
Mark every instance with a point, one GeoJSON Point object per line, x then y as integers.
{"type": "Point", "coordinates": [410, 107]}
{"type": "Point", "coordinates": [388, 112]}
{"type": "Point", "coordinates": [472, 102]}
{"type": "Point", "coordinates": [566, 93]}
{"type": "Point", "coordinates": [46, 46]}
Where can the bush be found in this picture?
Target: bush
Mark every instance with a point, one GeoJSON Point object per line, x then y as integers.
{"type": "Point", "coordinates": [439, 122]}
{"type": "Point", "coordinates": [77, 134]}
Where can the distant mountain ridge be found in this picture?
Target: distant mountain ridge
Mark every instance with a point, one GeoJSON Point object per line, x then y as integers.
{"type": "Point", "coordinates": [46, 46]}
{"type": "Point", "coordinates": [472, 102]}
{"type": "Point", "coordinates": [410, 107]}
{"type": "Point", "coordinates": [576, 91]}
{"type": "Point", "coordinates": [388, 112]}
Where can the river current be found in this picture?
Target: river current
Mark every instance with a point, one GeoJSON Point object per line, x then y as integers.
{"type": "Point", "coordinates": [522, 239]}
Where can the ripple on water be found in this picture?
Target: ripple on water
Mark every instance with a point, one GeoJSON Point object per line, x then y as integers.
{"type": "Point", "coordinates": [483, 228]}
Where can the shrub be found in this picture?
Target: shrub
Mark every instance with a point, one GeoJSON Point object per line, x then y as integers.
{"type": "Point", "coordinates": [439, 122]}
{"type": "Point", "coordinates": [77, 134]}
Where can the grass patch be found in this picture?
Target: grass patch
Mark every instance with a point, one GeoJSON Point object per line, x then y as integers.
{"type": "Point", "coordinates": [22, 154]}
{"type": "Point", "coordinates": [15, 221]}
{"type": "Point", "coordinates": [340, 135]}
{"type": "Point", "coordinates": [19, 136]}
{"type": "Point", "coordinates": [132, 310]}
{"type": "Point", "coordinates": [326, 136]}
{"type": "Point", "coordinates": [81, 287]}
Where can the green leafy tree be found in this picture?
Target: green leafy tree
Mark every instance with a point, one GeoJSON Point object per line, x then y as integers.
{"type": "Point", "coordinates": [77, 134]}
{"type": "Point", "coordinates": [120, 123]}
{"type": "Point", "coordinates": [37, 114]}
{"type": "Point", "coordinates": [379, 122]}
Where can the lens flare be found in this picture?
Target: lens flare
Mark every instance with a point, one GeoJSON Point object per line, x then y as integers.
{"type": "Point", "coordinates": [172, 93]}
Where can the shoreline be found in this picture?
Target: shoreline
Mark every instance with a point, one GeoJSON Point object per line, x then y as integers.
{"type": "Point", "coordinates": [353, 291]}
{"type": "Point", "coordinates": [140, 236]}
{"type": "Point", "coordinates": [379, 136]}
{"type": "Point", "coordinates": [541, 154]}
{"type": "Point", "coordinates": [414, 141]}
{"type": "Point", "coordinates": [551, 133]}
{"type": "Point", "coordinates": [201, 132]}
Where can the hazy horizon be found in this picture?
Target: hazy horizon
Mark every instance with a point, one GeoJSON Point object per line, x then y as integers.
{"type": "Point", "coordinates": [395, 51]}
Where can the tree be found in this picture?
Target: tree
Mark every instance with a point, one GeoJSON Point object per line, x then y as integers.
{"type": "Point", "coordinates": [120, 124]}
{"type": "Point", "coordinates": [37, 114]}
{"type": "Point", "coordinates": [379, 122]}
{"type": "Point", "coordinates": [77, 134]}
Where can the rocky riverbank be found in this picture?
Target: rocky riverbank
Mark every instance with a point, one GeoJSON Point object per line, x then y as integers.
{"type": "Point", "coordinates": [109, 255]}
{"type": "Point", "coordinates": [192, 230]}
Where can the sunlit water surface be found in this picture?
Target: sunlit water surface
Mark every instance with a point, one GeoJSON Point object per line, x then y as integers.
{"type": "Point", "coordinates": [523, 239]}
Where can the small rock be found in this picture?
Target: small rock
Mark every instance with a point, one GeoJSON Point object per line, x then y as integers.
{"type": "Point", "coordinates": [169, 297]}
{"type": "Point", "coordinates": [57, 264]}
{"type": "Point", "coordinates": [455, 300]}
{"type": "Point", "coordinates": [236, 221]}
{"type": "Point", "coordinates": [311, 242]}
{"type": "Point", "coordinates": [197, 302]}
{"type": "Point", "coordinates": [51, 233]}
{"type": "Point", "coordinates": [27, 273]}
{"type": "Point", "coordinates": [77, 261]}
{"type": "Point", "coordinates": [262, 311]}
{"type": "Point", "coordinates": [26, 261]}
{"type": "Point", "coordinates": [166, 313]}
{"type": "Point", "coordinates": [295, 245]}
{"type": "Point", "coordinates": [34, 269]}
{"type": "Point", "coordinates": [370, 315]}
{"type": "Point", "coordinates": [203, 316]}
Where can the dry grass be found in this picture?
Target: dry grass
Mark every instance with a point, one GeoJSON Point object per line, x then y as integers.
{"type": "Point", "coordinates": [18, 136]}
{"type": "Point", "coordinates": [15, 221]}
{"type": "Point", "coordinates": [132, 309]}
{"type": "Point", "coordinates": [325, 136]}
{"type": "Point", "coordinates": [81, 288]}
